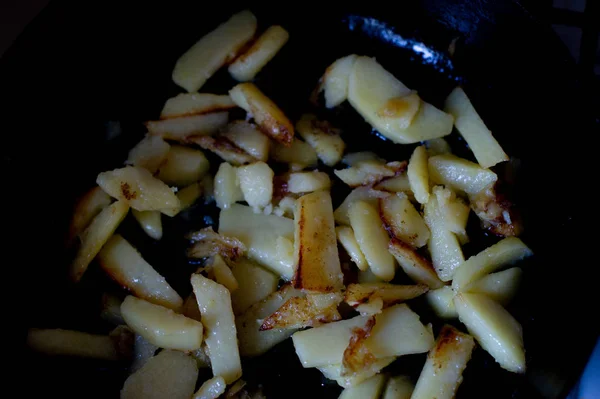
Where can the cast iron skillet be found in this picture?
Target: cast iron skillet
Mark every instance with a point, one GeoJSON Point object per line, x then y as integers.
{"type": "Point", "coordinates": [82, 72]}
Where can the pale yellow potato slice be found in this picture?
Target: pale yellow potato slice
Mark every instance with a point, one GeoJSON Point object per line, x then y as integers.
{"type": "Point", "coordinates": [227, 186]}
{"type": "Point", "coordinates": [368, 173]}
{"type": "Point", "coordinates": [138, 188]}
{"type": "Point", "coordinates": [249, 64]}
{"type": "Point", "coordinates": [183, 166]}
{"type": "Point", "coordinates": [396, 184]}
{"type": "Point", "coordinates": [367, 277]}
{"type": "Point", "coordinates": [150, 222]}
{"type": "Point", "coordinates": [271, 120]}
{"type": "Point", "coordinates": [111, 309]}
{"type": "Point", "coordinates": [170, 374]}
{"type": "Point", "coordinates": [442, 373]}
{"type": "Point", "coordinates": [142, 352]}
{"type": "Point", "coordinates": [255, 284]}
{"type": "Point", "coordinates": [454, 211]}
{"type": "Point", "coordinates": [317, 261]}
{"type": "Point", "coordinates": [246, 136]}
{"type": "Point", "coordinates": [403, 221]}
{"type": "Point", "coordinates": [256, 183]}
{"type": "Point", "coordinates": [214, 302]}
{"type": "Point", "coordinates": [345, 236]}
{"type": "Point", "coordinates": [354, 158]}
{"type": "Point", "coordinates": [398, 332]}
{"type": "Point", "coordinates": [442, 302]}
{"type": "Point", "coordinates": [224, 148]}
{"type": "Point", "coordinates": [336, 79]}
{"type": "Point", "coordinates": [390, 106]}
{"type": "Point", "coordinates": [323, 137]}
{"type": "Point", "coordinates": [460, 174]}
{"type": "Point", "coordinates": [211, 389]}
{"type": "Point", "coordinates": [389, 294]}
{"type": "Point", "coordinates": [72, 343]}
{"type": "Point", "coordinates": [186, 104]}
{"type": "Point", "coordinates": [268, 238]}
{"type": "Point", "coordinates": [123, 263]}
{"type": "Point", "coordinates": [189, 195]}
{"type": "Point", "coordinates": [161, 326]}
{"type": "Point", "coordinates": [86, 209]}
{"type": "Point", "coordinates": [253, 341]}
{"type": "Point", "coordinates": [223, 274]}
{"type": "Point", "coordinates": [372, 239]}
{"type": "Point", "coordinates": [471, 127]}
{"type": "Point", "coordinates": [366, 194]}
{"type": "Point", "coordinates": [446, 253]}
{"type": "Point", "coordinates": [501, 286]}
{"type": "Point", "coordinates": [213, 51]}
{"type": "Point", "coordinates": [507, 251]}
{"type": "Point", "coordinates": [307, 182]}
{"type": "Point", "coordinates": [150, 153]}
{"type": "Point", "coordinates": [417, 267]}
{"type": "Point", "coordinates": [95, 236]}
{"type": "Point", "coordinates": [437, 147]}
{"type": "Point", "coordinates": [418, 174]}
{"type": "Point", "coordinates": [184, 127]}
{"type": "Point", "coordinates": [308, 311]}
{"type": "Point", "coordinates": [398, 387]}
{"type": "Point", "coordinates": [494, 329]}
{"type": "Point", "coordinates": [299, 155]}
{"type": "Point", "coordinates": [334, 372]}
{"type": "Point", "coordinates": [368, 389]}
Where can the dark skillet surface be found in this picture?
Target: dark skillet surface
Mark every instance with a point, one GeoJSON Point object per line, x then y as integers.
{"type": "Point", "coordinates": [79, 69]}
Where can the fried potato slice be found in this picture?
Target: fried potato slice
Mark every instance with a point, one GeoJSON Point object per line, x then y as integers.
{"type": "Point", "coordinates": [369, 173]}
{"type": "Point", "coordinates": [460, 174]}
{"type": "Point", "coordinates": [335, 81]}
{"type": "Point", "coordinates": [86, 209]}
{"type": "Point", "coordinates": [403, 221]}
{"type": "Point", "coordinates": [182, 128]}
{"type": "Point", "coordinates": [358, 194]}
{"type": "Point", "coordinates": [150, 222]}
{"type": "Point", "coordinates": [390, 294]}
{"type": "Point", "coordinates": [418, 174]}
{"type": "Point", "coordinates": [209, 243]}
{"type": "Point", "coordinates": [150, 153]}
{"type": "Point", "coordinates": [246, 136]}
{"type": "Point", "coordinates": [323, 137]}
{"type": "Point", "coordinates": [187, 104]}
{"type": "Point", "coordinates": [183, 166]}
{"type": "Point", "coordinates": [224, 148]}
{"type": "Point", "coordinates": [255, 284]}
{"type": "Point", "coordinates": [298, 154]}
{"type": "Point", "coordinates": [211, 389]}
{"type": "Point", "coordinates": [417, 267]}
{"type": "Point", "coordinates": [346, 237]}
{"type": "Point", "coordinates": [308, 311]}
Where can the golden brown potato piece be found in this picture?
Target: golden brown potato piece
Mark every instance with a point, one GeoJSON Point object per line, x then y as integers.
{"type": "Point", "coordinates": [417, 267]}
{"type": "Point", "coordinates": [187, 104]}
{"type": "Point", "coordinates": [307, 182]}
{"type": "Point", "coordinates": [213, 51]}
{"type": "Point", "coordinates": [267, 115]}
{"type": "Point", "coordinates": [369, 173]}
{"type": "Point", "coordinates": [403, 221]}
{"type": "Point", "coordinates": [246, 136]}
{"type": "Point", "coordinates": [208, 243]}
{"type": "Point", "coordinates": [318, 264]}
{"type": "Point", "coordinates": [460, 174]}
{"type": "Point", "coordinates": [323, 137]}
{"type": "Point", "coordinates": [390, 294]}
{"type": "Point", "coordinates": [95, 236]}
{"type": "Point", "coordinates": [418, 174]}
{"type": "Point", "coordinates": [357, 356]}
{"type": "Point", "coordinates": [86, 209]}
{"type": "Point", "coordinates": [224, 148]}
{"type": "Point", "coordinates": [124, 264]}
{"type": "Point", "coordinates": [308, 311]}
{"type": "Point", "coordinates": [358, 194]}
{"type": "Point", "coordinates": [150, 153]}
{"type": "Point", "coordinates": [247, 65]}
{"type": "Point", "coordinates": [183, 166]}
{"type": "Point", "coordinates": [346, 237]}
{"type": "Point", "coordinates": [442, 373]}
{"type": "Point", "coordinates": [72, 343]}
{"type": "Point", "coordinates": [138, 188]}
{"type": "Point", "coordinates": [184, 127]}
{"type": "Point", "coordinates": [336, 79]}
{"type": "Point", "coordinates": [496, 213]}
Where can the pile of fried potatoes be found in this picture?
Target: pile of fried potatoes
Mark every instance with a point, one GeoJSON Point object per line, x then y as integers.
{"type": "Point", "coordinates": [273, 269]}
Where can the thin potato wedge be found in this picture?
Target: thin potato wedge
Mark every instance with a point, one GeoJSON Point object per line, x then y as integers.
{"type": "Point", "coordinates": [227, 186]}
{"type": "Point", "coordinates": [150, 153]}
{"type": "Point", "coordinates": [396, 184]}
{"type": "Point", "coordinates": [308, 311]}
{"type": "Point", "coordinates": [184, 127]}
{"type": "Point", "coordinates": [334, 372]}
{"type": "Point", "coordinates": [390, 294]}
{"type": "Point", "coordinates": [187, 104]}
{"type": "Point", "coordinates": [471, 127]}
{"type": "Point", "coordinates": [247, 65]}
{"type": "Point", "coordinates": [358, 194]}
{"type": "Point", "coordinates": [442, 302]}
{"type": "Point", "coordinates": [170, 374]}
{"type": "Point", "coordinates": [372, 239]}
{"type": "Point", "coordinates": [336, 79]}
{"type": "Point", "coordinates": [417, 267]}
{"type": "Point", "coordinates": [214, 302]}
{"type": "Point", "coordinates": [323, 137]}
{"type": "Point", "coordinates": [403, 221]}
{"type": "Point", "coordinates": [271, 120]}
{"type": "Point", "coordinates": [246, 136]}
{"type": "Point", "coordinates": [138, 188]}
{"type": "Point", "coordinates": [369, 173]}
{"type": "Point", "coordinates": [223, 274]}
{"type": "Point", "coordinates": [354, 158]}
{"type": "Point", "coordinates": [207, 243]}
{"type": "Point", "coordinates": [508, 251]}
{"type": "Point", "coordinates": [183, 166]}
{"type": "Point", "coordinates": [72, 343]}
{"type": "Point", "coordinates": [442, 373]}
{"type": "Point", "coordinates": [454, 210]}
{"type": "Point", "coordinates": [368, 389]}
{"type": "Point", "coordinates": [460, 174]}
{"type": "Point", "coordinates": [123, 263]}
{"type": "Point", "coordinates": [213, 51]}
{"type": "Point", "coordinates": [307, 182]}
{"type": "Point", "coordinates": [317, 262]}
{"type": "Point", "coordinates": [161, 326]}
{"type": "Point", "coordinates": [345, 236]}
{"type": "Point", "coordinates": [255, 284]}
{"type": "Point", "coordinates": [150, 222]}
{"type": "Point", "coordinates": [224, 148]}
{"type": "Point", "coordinates": [501, 286]}
{"type": "Point", "coordinates": [211, 389]}
{"type": "Point", "coordinates": [86, 209]}
{"type": "Point", "coordinates": [418, 174]}
{"type": "Point", "coordinates": [95, 236]}
{"type": "Point", "coordinates": [189, 195]}
{"type": "Point", "coordinates": [298, 154]}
